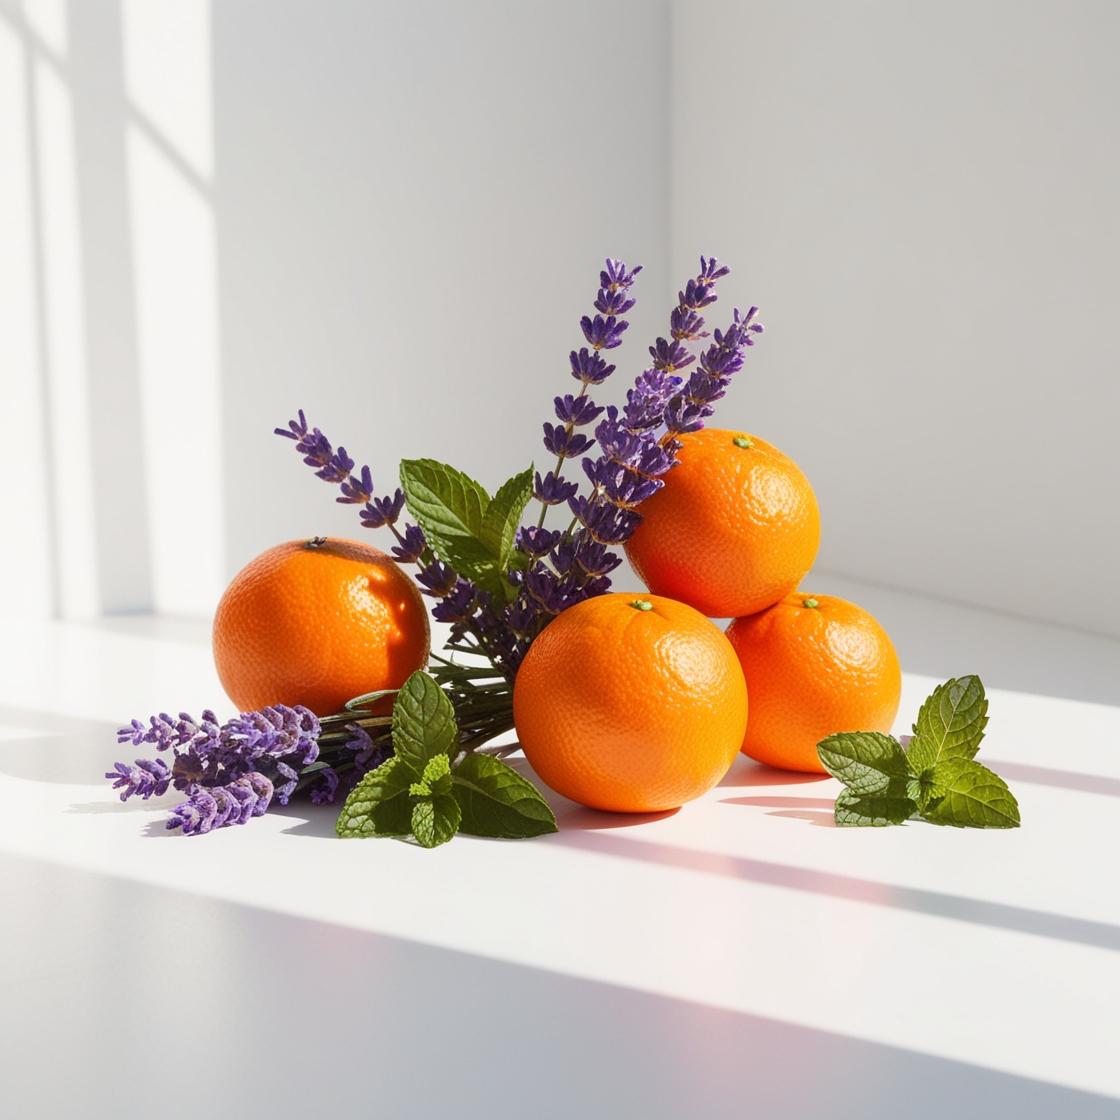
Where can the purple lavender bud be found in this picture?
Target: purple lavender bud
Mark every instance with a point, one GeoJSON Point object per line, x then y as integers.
{"type": "Point", "coordinates": [603, 333]}
{"type": "Point", "coordinates": [261, 789]}
{"type": "Point", "coordinates": [546, 589]}
{"type": "Point", "coordinates": [285, 789]}
{"type": "Point", "coordinates": [621, 485]}
{"type": "Point", "coordinates": [437, 578]}
{"type": "Point", "coordinates": [325, 787]}
{"type": "Point", "coordinates": [355, 491]}
{"type": "Point", "coordinates": [589, 367]}
{"type": "Point", "coordinates": [383, 511]}
{"type": "Point", "coordinates": [552, 490]}
{"type": "Point", "coordinates": [411, 546]}
{"type": "Point", "coordinates": [682, 416]}
{"type": "Point", "coordinates": [696, 295]}
{"type": "Point", "coordinates": [368, 754]}
{"type": "Point", "coordinates": [595, 559]}
{"type": "Point", "coordinates": [195, 816]}
{"type": "Point", "coordinates": [670, 355]}
{"type": "Point", "coordinates": [536, 542]}
{"type": "Point", "coordinates": [615, 302]}
{"type": "Point", "coordinates": [146, 777]}
{"type": "Point", "coordinates": [604, 523]}
{"type": "Point", "coordinates": [711, 270]}
{"type": "Point", "coordinates": [576, 411]}
{"type": "Point", "coordinates": [564, 556]}
{"type": "Point", "coordinates": [563, 442]}
{"type": "Point", "coordinates": [645, 402]}
{"type": "Point", "coordinates": [616, 275]}
{"type": "Point", "coordinates": [458, 605]}
{"type": "Point", "coordinates": [686, 325]}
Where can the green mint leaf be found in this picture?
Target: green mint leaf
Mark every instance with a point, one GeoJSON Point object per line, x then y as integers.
{"type": "Point", "coordinates": [378, 805]}
{"type": "Point", "coordinates": [890, 805]}
{"type": "Point", "coordinates": [973, 797]}
{"type": "Point", "coordinates": [435, 779]}
{"type": "Point", "coordinates": [503, 516]}
{"type": "Point", "coordinates": [950, 724]}
{"type": "Point", "coordinates": [865, 761]}
{"type": "Point", "coordinates": [924, 789]}
{"type": "Point", "coordinates": [446, 502]}
{"type": "Point", "coordinates": [435, 820]}
{"type": "Point", "coordinates": [423, 723]}
{"type": "Point", "coordinates": [451, 507]}
{"type": "Point", "coordinates": [497, 801]}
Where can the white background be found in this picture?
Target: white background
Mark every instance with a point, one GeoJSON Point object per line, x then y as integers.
{"type": "Point", "coordinates": [393, 215]}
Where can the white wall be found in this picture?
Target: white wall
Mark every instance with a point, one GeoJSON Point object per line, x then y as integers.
{"type": "Point", "coordinates": [392, 214]}
{"type": "Point", "coordinates": [923, 197]}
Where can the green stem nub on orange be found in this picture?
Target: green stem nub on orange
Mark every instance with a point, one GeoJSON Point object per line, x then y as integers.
{"type": "Point", "coordinates": [743, 441]}
{"type": "Point", "coordinates": [812, 604]}
{"type": "Point", "coordinates": [316, 542]}
{"type": "Point", "coordinates": [642, 605]}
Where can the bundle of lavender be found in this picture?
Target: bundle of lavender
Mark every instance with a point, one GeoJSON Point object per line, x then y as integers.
{"type": "Point", "coordinates": [497, 577]}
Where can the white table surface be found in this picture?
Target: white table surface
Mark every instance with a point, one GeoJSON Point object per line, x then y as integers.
{"type": "Point", "coordinates": [738, 958]}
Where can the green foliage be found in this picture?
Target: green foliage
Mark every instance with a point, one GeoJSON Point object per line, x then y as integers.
{"type": "Point", "coordinates": [425, 793]}
{"type": "Point", "coordinates": [463, 525]}
{"type": "Point", "coordinates": [935, 778]}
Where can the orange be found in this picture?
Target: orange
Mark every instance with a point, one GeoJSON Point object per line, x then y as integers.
{"type": "Point", "coordinates": [631, 703]}
{"type": "Point", "coordinates": [735, 527]}
{"type": "Point", "coordinates": [814, 665]}
{"type": "Point", "coordinates": [317, 622]}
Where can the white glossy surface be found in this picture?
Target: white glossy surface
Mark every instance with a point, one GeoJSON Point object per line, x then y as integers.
{"type": "Point", "coordinates": [740, 957]}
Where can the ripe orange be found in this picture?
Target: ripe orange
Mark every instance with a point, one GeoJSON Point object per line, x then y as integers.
{"type": "Point", "coordinates": [814, 665]}
{"type": "Point", "coordinates": [317, 622]}
{"type": "Point", "coordinates": [630, 703]}
{"type": "Point", "coordinates": [735, 527]}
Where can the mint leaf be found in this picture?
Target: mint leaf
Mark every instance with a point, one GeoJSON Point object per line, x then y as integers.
{"type": "Point", "coordinates": [503, 516]}
{"type": "Point", "coordinates": [974, 797]}
{"type": "Point", "coordinates": [435, 820]}
{"type": "Point", "coordinates": [450, 507]}
{"type": "Point", "coordinates": [890, 805]}
{"type": "Point", "coordinates": [423, 723]}
{"type": "Point", "coordinates": [924, 789]}
{"type": "Point", "coordinates": [435, 779]}
{"type": "Point", "coordinates": [446, 502]}
{"type": "Point", "coordinates": [497, 801]}
{"type": "Point", "coordinates": [865, 761]}
{"type": "Point", "coordinates": [378, 805]}
{"type": "Point", "coordinates": [950, 723]}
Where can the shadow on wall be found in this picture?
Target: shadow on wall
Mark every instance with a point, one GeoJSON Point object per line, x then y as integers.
{"type": "Point", "coordinates": [233, 210]}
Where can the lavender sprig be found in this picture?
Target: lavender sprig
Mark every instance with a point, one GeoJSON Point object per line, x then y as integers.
{"type": "Point", "coordinates": [637, 447]}
{"type": "Point", "coordinates": [604, 331]}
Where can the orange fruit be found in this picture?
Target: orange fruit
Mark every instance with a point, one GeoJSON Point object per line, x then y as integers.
{"type": "Point", "coordinates": [317, 622]}
{"type": "Point", "coordinates": [735, 527]}
{"type": "Point", "coordinates": [814, 665]}
{"type": "Point", "coordinates": [630, 703]}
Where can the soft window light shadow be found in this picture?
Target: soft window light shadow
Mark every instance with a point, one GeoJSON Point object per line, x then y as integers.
{"type": "Point", "coordinates": [44, 747]}
{"type": "Point", "coordinates": [1056, 779]}
{"type": "Point", "coordinates": [745, 772]}
{"type": "Point", "coordinates": [630, 1052]}
{"type": "Point", "coordinates": [998, 915]}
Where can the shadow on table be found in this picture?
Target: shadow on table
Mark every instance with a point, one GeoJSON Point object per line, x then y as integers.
{"type": "Point", "coordinates": [66, 749]}
{"type": "Point", "coordinates": [556, 1038]}
{"type": "Point", "coordinates": [817, 811]}
{"type": "Point", "coordinates": [998, 915]}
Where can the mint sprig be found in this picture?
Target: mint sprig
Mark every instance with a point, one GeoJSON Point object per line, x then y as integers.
{"type": "Point", "coordinates": [465, 527]}
{"type": "Point", "coordinates": [935, 778]}
{"type": "Point", "coordinates": [424, 792]}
